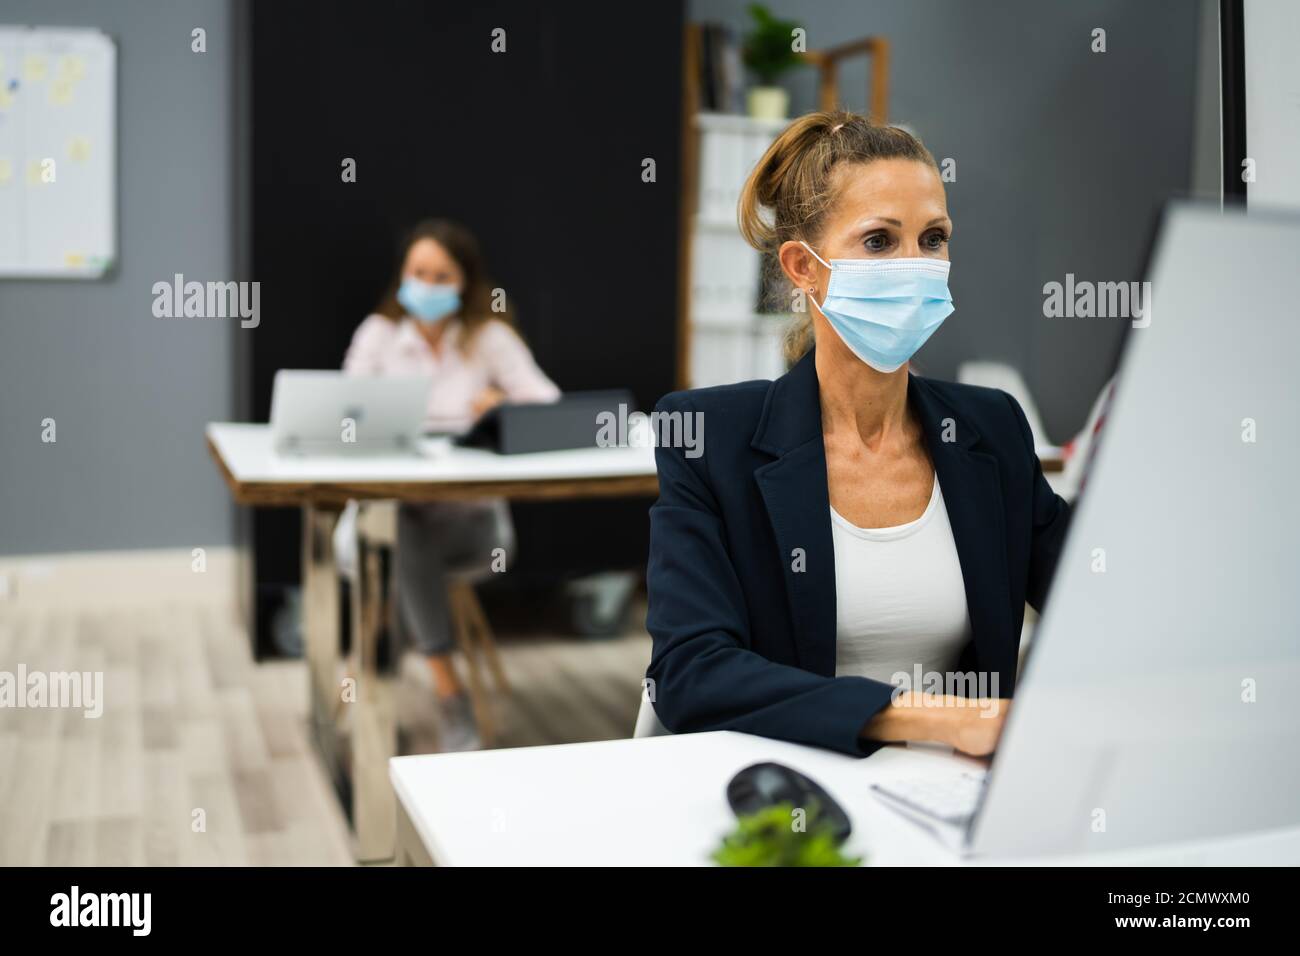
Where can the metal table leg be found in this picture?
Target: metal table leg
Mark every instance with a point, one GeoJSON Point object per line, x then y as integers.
{"type": "Point", "coordinates": [354, 726]}
{"type": "Point", "coordinates": [320, 616]}
{"type": "Point", "coordinates": [374, 719]}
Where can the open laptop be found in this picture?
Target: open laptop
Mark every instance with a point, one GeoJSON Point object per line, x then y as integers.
{"type": "Point", "coordinates": [1160, 702]}
{"type": "Point", "coordinates": [332, 413]}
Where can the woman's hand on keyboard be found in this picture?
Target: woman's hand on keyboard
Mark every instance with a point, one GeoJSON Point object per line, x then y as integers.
{"type": "Point", "coordinates": [969, 724]}
{"type": "Point", "coordinates": [978, 724]}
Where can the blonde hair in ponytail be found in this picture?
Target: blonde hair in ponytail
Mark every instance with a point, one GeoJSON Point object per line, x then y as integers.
{"type": "Point", "coordinates": [787, 194]}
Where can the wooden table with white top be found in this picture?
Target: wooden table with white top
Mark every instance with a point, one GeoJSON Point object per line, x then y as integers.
{"type": "Point", "coordinates": [321, 485]}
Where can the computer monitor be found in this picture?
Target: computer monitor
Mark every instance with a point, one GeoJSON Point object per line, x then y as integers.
{"type": "Point", "coordinates": [1160, 703]}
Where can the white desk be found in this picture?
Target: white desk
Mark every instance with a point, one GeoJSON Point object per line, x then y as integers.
{"type": "Point", "coordinates": [660, 801]}
{"type": "Point", "coordinates": [358, 758]}
{"type": "Point", "coordinates": [258, 476]}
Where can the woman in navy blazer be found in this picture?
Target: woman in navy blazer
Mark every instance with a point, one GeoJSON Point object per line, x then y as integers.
{"type": "Point", "coordinates": [742, 576]}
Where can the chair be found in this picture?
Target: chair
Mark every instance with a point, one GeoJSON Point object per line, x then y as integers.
{"type": "Point", "coordinates": [1081, 450]}
{"type": "Point", "coordinates": [376, 521]}
{"type": "Point", "coordinates": [1008, 378]}
{"type": "Point", "coordinates": [647, 721]}
{"type": "Point", "coordinates": [475, 639]}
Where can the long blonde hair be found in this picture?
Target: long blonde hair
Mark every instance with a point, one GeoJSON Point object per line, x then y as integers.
{"type": "Point", "coordinates": [788, 193]}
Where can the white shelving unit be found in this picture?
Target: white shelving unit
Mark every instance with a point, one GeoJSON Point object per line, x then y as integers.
{"type": "Point", "coordinates": [729, 340]}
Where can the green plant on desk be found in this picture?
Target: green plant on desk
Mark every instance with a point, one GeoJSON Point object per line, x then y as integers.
{"type": "Point", "coordinates": [771, 837]}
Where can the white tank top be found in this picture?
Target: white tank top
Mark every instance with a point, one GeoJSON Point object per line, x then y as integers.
{"type": "Point", "coordinates": [900, 597]}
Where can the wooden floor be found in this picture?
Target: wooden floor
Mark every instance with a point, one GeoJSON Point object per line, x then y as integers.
{"type": "Point", "coordinates": [191, 724]}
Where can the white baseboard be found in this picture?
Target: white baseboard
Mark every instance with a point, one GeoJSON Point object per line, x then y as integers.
{"type": "Point", "coordinates": [114, 578]}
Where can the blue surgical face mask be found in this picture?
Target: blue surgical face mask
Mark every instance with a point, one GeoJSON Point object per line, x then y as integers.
{"type": "Point", "coordinates": [427, 301]}
{"type": "Point", "coordinates": [885, 309]}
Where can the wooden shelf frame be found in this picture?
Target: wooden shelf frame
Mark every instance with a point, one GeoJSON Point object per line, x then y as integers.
{"type": "Point", "coordinates": [827, 63]}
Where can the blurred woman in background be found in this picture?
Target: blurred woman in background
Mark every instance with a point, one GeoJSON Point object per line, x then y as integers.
{"type": "Point", "coordinates": [437, 319]}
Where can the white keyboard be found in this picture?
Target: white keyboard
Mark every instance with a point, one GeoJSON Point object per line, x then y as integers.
{"type": "Point", "coordinates": [950, 799]}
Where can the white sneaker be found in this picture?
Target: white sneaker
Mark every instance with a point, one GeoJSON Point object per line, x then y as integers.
{"type": "Point", "coordinates": [457, 729]}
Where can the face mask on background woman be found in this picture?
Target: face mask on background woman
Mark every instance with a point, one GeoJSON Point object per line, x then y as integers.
{"type": "Point", "coordinates": [426, 301]}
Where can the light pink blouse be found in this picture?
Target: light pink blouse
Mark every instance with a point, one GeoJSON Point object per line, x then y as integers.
{"type": "Point", "coordinates": [497, 357]}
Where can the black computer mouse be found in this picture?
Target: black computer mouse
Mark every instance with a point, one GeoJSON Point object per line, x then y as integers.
{"type": "Point", "coordinates": [763, 785]}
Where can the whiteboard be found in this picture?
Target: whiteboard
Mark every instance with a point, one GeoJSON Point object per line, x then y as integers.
{"type": "Point", "coordinates": [58, 94]}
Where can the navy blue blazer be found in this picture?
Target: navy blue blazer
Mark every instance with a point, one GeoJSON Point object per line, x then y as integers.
{"type": "Point", "coordinates": [742, 641]}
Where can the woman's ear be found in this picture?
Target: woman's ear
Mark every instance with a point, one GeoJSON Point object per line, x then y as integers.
{"type": "Point", "coordinates": [800, 266]}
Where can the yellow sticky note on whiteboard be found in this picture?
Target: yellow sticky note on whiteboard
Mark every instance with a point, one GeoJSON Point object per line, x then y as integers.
{"type": "Point", "coordinates": [35, 67]}
{"type": "Point", "coordinates": [71, 68]}
{"type": "Point", "coordinates": [6, 99]}
{"type": "Point", "coordinates": [60, 93]}
{"type": "Point", "coordinates": [79, 150]}
{"type": "Point", "coordinates": [74, 260]}
{"type": "Point", "coordinates": [6, 170]}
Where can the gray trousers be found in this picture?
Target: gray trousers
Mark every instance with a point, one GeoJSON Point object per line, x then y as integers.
{"type": "Point", "coordinates": [436, 540]}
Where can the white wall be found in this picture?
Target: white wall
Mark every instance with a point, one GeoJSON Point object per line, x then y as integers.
{"type": "Point", "coordinates": [1273, 101]}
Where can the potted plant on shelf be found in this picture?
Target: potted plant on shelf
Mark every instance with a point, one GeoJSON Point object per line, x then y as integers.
{"type": "Point", "coordinates": [769, 52]}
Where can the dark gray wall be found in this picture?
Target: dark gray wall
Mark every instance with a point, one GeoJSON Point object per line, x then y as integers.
{"type": "Point", "coordinates": [130, 392]}
{"type": "Point", "coordinates": [1063, 157]}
